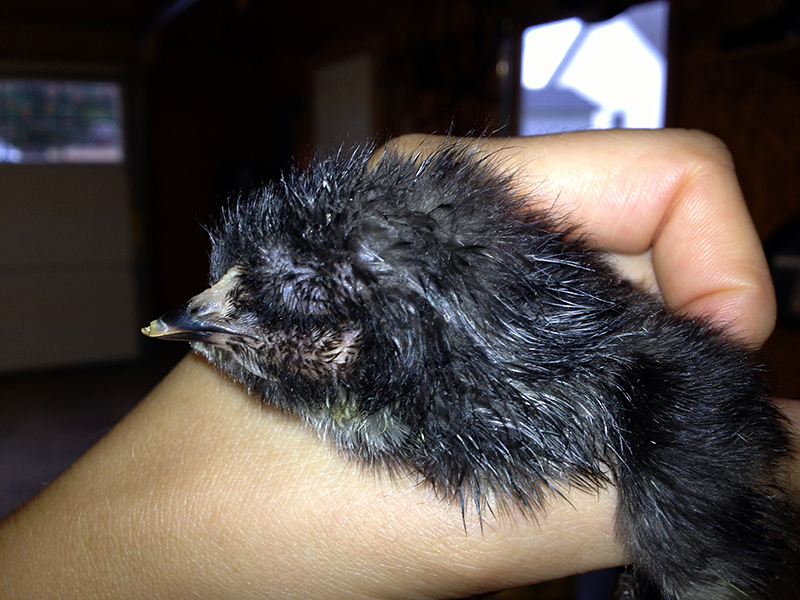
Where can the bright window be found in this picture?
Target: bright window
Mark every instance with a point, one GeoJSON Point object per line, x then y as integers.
{"type": "Point", "coordinates": [46, 121]}
{"type": "Point", "coordinates": [579, 75]}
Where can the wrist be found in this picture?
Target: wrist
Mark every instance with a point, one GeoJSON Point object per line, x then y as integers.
{"type": "Point", "coordinates": [200, 490]}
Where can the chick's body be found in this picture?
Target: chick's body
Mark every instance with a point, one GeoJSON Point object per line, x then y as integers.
{"type": "Point", "coordinates": [420, 314]}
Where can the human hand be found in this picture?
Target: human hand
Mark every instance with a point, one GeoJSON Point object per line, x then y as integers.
{"type": "Point", "coordinates": [666, 202]}
{"type": "Point", "coordinates": [200, 491]}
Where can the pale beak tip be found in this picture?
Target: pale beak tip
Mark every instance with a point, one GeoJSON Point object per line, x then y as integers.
{"type": "Point", "coordinates": [155, 329]}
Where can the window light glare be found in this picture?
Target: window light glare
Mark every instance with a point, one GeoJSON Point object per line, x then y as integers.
{"type": "Point", "coordinates": [617, 68]}
{"type": "Point", "coordinates": [543, 49]}
{"type": "Point", "coordinates": [578, 75]}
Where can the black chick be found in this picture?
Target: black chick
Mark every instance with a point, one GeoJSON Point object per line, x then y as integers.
{"type": "Point", "coordinates": [423, 316]}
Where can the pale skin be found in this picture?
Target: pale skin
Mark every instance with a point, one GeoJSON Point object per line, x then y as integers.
{"type": "Point", "coordinates": [200, 492]}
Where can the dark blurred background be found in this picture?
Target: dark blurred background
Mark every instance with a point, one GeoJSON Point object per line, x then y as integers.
{"type": "Point", "coordinates": [216, 95]}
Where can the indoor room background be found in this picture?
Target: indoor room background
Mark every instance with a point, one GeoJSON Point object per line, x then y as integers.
{"type": "Point", "coordinates": [125, 126]}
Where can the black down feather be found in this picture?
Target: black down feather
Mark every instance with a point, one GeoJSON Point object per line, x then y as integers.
{"type": "Point", "coordinates": [426, 318]}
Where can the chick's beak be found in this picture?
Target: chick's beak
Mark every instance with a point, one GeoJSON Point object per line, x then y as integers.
{"type": "Point", "coordinates": [206, 318]}
{"type": "Point", "coordinates": [179, 324]}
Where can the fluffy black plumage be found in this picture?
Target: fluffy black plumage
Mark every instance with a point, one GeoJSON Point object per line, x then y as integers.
{"type": "Point", "coordinates": [426, 318]}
